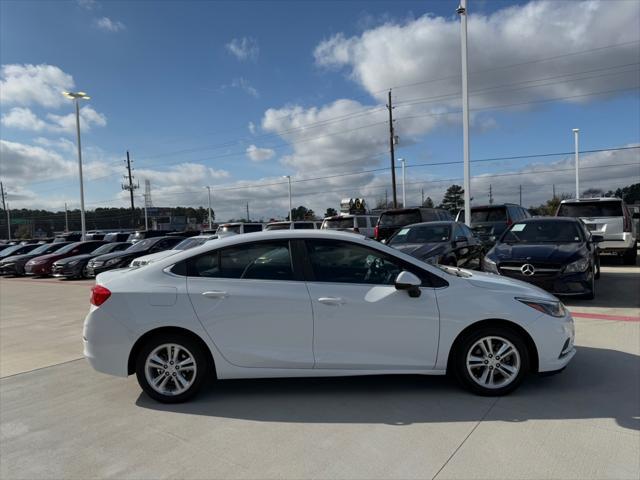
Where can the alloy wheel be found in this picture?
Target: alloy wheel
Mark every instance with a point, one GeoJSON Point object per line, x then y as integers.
{"type": "Point", "coordinates": [170, 369]}
{"type": "Point", "coordinates": [493, 362]}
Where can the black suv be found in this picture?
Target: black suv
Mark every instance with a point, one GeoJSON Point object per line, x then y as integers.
{"type": "Point", "coordinates": [489, 222]}
{"type": "Point", "coordinates": [391, 221]}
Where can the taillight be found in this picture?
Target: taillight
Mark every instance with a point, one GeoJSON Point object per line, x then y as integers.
{"type": "Point", "coordinates": [509, 222]}
{"type": "Point", "coordinates": [626, 226]}
{"type": "Point", "coordinates": [99, 295]}
{"type": "Point", "coordinates": [376, 232]}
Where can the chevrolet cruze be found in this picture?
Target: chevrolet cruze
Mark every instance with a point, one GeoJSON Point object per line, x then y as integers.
{"type": "Point", "coordinates": [316, 303]}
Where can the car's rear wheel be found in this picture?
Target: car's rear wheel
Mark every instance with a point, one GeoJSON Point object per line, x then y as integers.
{"type": "Point", "coordinates": [171, 368]}
{"type": "Point", "coordinates": [629, 257]}
{"type": "Point", "coordinates": [491, 361]}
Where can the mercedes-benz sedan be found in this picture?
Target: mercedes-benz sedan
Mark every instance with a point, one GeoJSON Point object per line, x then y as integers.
{"type": "Point", "coordinates": [314, 303]}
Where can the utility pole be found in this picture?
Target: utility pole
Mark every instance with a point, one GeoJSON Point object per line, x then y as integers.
{"type": "Point", "coordinates": [392, 140]}
{"type": "Point", "coordinates": [9, 219]}
{"type": "Point", "coordinates": [404, 178]}
{"type": "Point", "coordinates": [520, 195]}
{"type": "Point", "coordinates": [462, 11]}
{"type": "Point", "coordinates": [248, 212]}
{"type": "Point", "coordinates": [66, 218]}
{"type": "Point", "coordinates": [210, 216]}
{"type": "Point", "coordinates": [422, 196]}
{"type": "Point", "coordinates": [131, 187]}
{"type": "Point", "coordinates": [554, 190]}
{"type": "Point", "coordinates": [386, 199]}
{"type": "Point", "coordinates": [490, 195]}
{"type": "Point", "coordinates": [4, 207]}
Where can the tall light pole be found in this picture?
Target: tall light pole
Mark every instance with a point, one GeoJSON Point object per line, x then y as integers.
{"type": "Point", "coordinates": [210, 216]}
{"type": "Point", "coordinates": [146, 217]}
{"type": "Point", "coordinates": [404, 181]}
{"type": "Point", "coordinates": [288, 177]}
{"type": "Point", "coordinates": [76, 97]}
{"type": "Point", "coordinates": [576, 133]}
{"type": "Point", "coordinates": [462, 11]}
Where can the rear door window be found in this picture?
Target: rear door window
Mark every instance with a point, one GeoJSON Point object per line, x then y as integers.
{"type": "Point", "coordinates": [590, 209]}
{"type": "Point", "coordinates": [303, 226]}
{"type": "Point", "coordinates": [252, 228]}
{"type": "Point", "coordinates": [257, 261]}
{"type": "Point", "coordinates": [489, 214]}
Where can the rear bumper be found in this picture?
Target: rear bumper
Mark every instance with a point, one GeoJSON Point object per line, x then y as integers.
{"type": "Point", "coordinates": [107, 343]}
{"type": "Point", "coordinates": [617, 243]}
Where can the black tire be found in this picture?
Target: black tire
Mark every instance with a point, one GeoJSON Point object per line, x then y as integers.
{"type": "Point", "coordinates": [591, 294]}
{"type": "Point", "coordinates": [630, 256]}
{"type": "Point", "coordinates": [203, 368]}
{"type": "Point", "coordinates": [467, 343]}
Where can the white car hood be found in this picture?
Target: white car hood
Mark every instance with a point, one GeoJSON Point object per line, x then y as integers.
{"type": "Point", "coordinates": [498, 283]}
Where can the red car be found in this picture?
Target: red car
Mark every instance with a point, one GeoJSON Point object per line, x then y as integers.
{"type": "Point", "coordinates": [41, 266]}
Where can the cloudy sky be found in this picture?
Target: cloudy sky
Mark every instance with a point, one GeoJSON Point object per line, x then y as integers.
{"type": "Point", "coordinates": [235, 95]}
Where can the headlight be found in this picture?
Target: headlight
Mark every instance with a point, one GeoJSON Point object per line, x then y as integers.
{"type": "Point", "coordinates": [492, 238]}
{"type": "Point", "coordinates": [490, 266]}
{"type": "Point", "coordinates": [96, 264]}
{"type": "Point", "coordinates": [554, 308]}
{"type": "Point", "coordinates": [577, 266]}
{"type": "Point", "coordinates": [113, 261]}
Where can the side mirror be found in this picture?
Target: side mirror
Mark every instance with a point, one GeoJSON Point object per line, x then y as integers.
{"type": "Point", "coordinates": [409, 282]}
{"type": "Point", "coordinates": [597, 238]}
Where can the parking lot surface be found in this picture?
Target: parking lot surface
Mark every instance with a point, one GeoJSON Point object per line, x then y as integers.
{"type": "Point", "coordinates": [60, 419]}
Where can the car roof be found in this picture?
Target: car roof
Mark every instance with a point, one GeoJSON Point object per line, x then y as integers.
{"type": "Point", "coordinates": [438, 222]}
{"type": "Point", "coordinates": [549, 219]}
{"type": "Point", "coordinates": [496, 205]}
{"type": "Point", "coordinates": [595, 199]}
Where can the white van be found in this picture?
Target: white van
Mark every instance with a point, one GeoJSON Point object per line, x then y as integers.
{"type": "Point", "coordinates": [362, 224]}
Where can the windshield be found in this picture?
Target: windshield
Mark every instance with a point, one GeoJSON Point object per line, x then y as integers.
{"type": "Point", "coordinates": [543, 232]}
{"type": "Point", "coordinates": [142, 245]}
{"type": "Point", "coordinates": [390, 219]}
{"type": "Point", "coordinates": [422, 234]}
{"type": "Point", "coordinates": [590, 209]}
{"type": "Point", "coordinates": [104, 249]}
{"type": "Point", "coordinates": [488, 214]}
{"type": "Point", "coordinates": [46, 248]}
{"type": "Point", "coordinates": [190, 243]}
{"type": "Point", "coordinates": [228, 229]}
{"type": "Point", "coordinates": [7, 251]}
{"type": "Point", "coordinates": [339, 222]}
{"type": "Point", "coordinates": [278, 226]}
{"type": "Point", "coordinates": [68, 248]}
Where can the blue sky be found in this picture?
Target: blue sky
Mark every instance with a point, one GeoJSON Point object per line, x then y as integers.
{"type": "Point", "coordinates": [178, 83]}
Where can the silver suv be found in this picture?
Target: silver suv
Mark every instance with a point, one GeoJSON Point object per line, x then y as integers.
{"type": "Point", "coordinates": [609, 217]}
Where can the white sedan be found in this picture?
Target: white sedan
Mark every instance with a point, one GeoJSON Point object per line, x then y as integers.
{"type": "Point", "coordinates": [317, 303]}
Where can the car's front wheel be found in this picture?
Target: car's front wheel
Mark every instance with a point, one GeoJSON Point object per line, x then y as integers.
{"type": "Point", "coordinates": [171, 368]}
{"type": "Point", "coordinates": [491, 361]}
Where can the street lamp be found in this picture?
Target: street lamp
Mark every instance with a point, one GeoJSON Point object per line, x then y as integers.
{"type": "Point", "coordinates": [210, 216]}
{"type": "Point", "coordinates": [288, 177]}
{"type": "Point", "coordinates": [462, 11]}
{"type": "Point", "coordinates": [404, 180]}
{"type": "Point", "coordinates": [576, 133]}
{"type": "Point", "coordinates": [76, 97]}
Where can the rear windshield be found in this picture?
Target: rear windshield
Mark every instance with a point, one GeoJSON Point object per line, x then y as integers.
{"type": "Point", "coordinates": [68, 248]}
{"type": "Point", "coordinates": [489, 214]}
{"type": "Point", "coordinates": [142, 245]}
{"type": "Point", "coordinates": [228, 229]}
{"type": "Point", "coordinates": [590, 209]}
{"type": "Point", "coordinates": [46, 248]}
{"type": "Point", "coordinates": [391, 219]}
{"type": "Point", "coordinates": [422, 234]}
{"type": "Point", "coordinates": [333, 223]}
{"type": "Point", "coordinates": [543, 232]}
{"type": "Point", "coordinates": [278, 226]}
{"type": "Point", "coordinates": [190, 243]}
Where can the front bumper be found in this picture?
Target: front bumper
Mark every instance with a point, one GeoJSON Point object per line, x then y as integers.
{"type": "Point", "coordinates": [8, 269]}
{"type": "Point", "coordinates": [40, 270]}
{"type": "Point", "coordinates": [95, 270]}
{"type": "Point", "coordinates": [554, 339]}
{"type": "Point", "coordinates": [559, 283]}
{"type": "Point", "coordinates": [66, 270]}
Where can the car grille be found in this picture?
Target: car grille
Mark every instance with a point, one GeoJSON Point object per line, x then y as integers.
{"type": "Point", "coordinates": [539, 269]}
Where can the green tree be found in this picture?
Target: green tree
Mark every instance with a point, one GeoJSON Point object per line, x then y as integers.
{"type": "Point", "coordinates": [331, 212]}
{"type": "Point", "coordinates": [428, 203]}
{"type": "Point", "coordinates": [302, 213]}
{"type": "Point", "coordinates": [453, 199]}
{"type": "Point", "coordinates": [630, 194]}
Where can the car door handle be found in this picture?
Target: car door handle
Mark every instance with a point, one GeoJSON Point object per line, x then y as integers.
{"type": "Point", "coordinates": [215, 294]}
{"type": "Point", "coordinates": [331, 300]}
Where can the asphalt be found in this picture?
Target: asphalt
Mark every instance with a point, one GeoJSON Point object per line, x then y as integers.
{"type": "Point", "coordinates": [60, 419]}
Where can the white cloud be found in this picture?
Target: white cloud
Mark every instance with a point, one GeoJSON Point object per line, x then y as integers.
{"type": "Point", "coordinates": [184, 174]}
{"type": "Point", "coordinates": [244, 85]}
{"type": "Point", "coordinates": [88, 4]}
{"type": "Point", "coordinates": [252, 128]}
{"type": "Point", "coordinates": [427, 48]}
{"type": "Point", "coordinates": [23, 119]}
{"type": "Point", "coordinates": [108, 25]}
{"type": "Point", "coordinates": [245, 48]}
{"type": "Point", "coordinates": [33, 84]}
{"type": "Point", "coordinates": [257, 154]}
{"type": "Point", "coordinates": [22, 163]}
